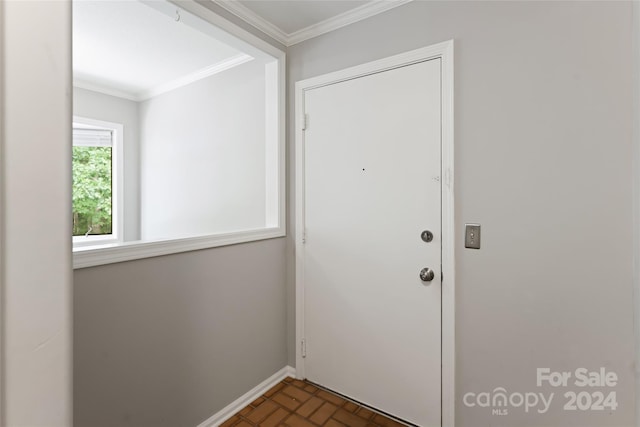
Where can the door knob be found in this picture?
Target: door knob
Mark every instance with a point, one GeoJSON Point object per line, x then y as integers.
{"type": "Point", "coordinates": [427, 274]}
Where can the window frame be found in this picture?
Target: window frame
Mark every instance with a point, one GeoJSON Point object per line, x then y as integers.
{"type": "Point", "coordinates": [107, 253]}
{"type": "Point", "coordinates": [117, 185]}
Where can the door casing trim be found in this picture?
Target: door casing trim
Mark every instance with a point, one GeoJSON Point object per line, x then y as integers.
{"type": "Point", "coordinates": [444, 51]}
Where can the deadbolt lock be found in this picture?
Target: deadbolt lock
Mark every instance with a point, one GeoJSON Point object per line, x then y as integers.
{"type": "Point", "coordinates": [426, 236]}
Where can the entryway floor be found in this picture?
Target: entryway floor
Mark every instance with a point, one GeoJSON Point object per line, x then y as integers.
{"type": "Point", "coordinates": [295, 403]}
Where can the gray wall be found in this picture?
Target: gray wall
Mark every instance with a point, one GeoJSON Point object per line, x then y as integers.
{"type": "Point", "coordinates": [169, 341]}
{"type": "Point", "coordinates": [636, 190]}
{"type": "Point", "coordinates": [94, 105]}
{"type": "Point", "coordinates": [543, 120]}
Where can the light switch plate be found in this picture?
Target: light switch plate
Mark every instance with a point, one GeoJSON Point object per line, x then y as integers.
{"type": "Point", "coordinates": [472, 236]}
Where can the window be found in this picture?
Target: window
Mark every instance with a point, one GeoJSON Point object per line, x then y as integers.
{"type": "Point", "coordinates": [96, 193]}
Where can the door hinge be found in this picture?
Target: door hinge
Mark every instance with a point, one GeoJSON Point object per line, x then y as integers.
{"type": "Point", "coordinates": [441, 277]}
{"type": "Point", "coordinates": [303, 347]}
{"type": "Point", "coordinates": [305, 121]}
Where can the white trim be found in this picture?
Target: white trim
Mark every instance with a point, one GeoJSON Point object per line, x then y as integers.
{"type": "Point", "coordinates": [352, 16]}
{"type": "Point", "coordinates": [300, 124]}
{"type": "Point", "coordinates": [94, 240]}
{"type": "Point", "coordinates": [444, 51]}
{"type": "Point", "coordinates": [448, 239]}
{"type": "Point", "coordinates": [289, 39]}
{"type": "Point", "coordinates": [187, 79]}
{"type": "Point", "coordinates": [231, 409]}
{"type": "Point", "coordinates": [272, 158]}
{"type": "Point", "coordinates": [128, 251]}
{"type": "Point", "coordinates": [252, 18]}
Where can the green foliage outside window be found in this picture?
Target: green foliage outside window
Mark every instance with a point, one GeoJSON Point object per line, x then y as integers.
{"type": "Point", "coordinates": [92, 197]}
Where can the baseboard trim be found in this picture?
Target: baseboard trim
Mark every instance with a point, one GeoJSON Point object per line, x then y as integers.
{"type": "Point", "coordinates": [228, 411]}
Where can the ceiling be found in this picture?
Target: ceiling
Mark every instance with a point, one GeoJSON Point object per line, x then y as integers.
{"type": "Point", "coordinates": [292, 16]}
{"type": "Point", "coordinates": [134, 50]}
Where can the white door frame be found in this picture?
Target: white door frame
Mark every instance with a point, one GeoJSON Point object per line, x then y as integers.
{"type": "Point", "coordinates": [444, 51]}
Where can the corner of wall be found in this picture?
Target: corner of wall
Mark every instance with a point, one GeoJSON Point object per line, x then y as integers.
{"type": "Point", "coordinates": [636, 194]}
{"type": "Point", "coordinates": [2, 181]}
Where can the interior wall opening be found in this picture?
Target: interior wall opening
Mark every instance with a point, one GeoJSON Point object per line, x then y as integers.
{"type": "Point", "coordinates": [201, 146]}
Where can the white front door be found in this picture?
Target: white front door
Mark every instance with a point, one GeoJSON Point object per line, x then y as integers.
{"type": "Point", "coordinates": [372, 185]}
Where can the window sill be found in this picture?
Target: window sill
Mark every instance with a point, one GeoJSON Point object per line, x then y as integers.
{"type": "Point", "coordinates": [90, 256]}
{"type": "Point", "coordinates": [88, 242]}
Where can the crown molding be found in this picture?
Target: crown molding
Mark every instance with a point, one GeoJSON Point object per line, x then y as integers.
{"type": "Point", "coordinates": [289, 39]}
{"type": "Point", "coordinates": [349, 17]}
{"type": "Point", "coordinates": [252, 18]}
{"type": "Point", "coordinates": [216, 68]}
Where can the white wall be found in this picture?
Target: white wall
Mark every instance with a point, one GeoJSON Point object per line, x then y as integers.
{"type": "Point", "coordinates": [202, 151]}
{"type": "Point", "coordinates": [36, 213]}
{"type": "Point", "coordinates": [543, 135]}
{"type": "Point", "coordinates": [87, 103]}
